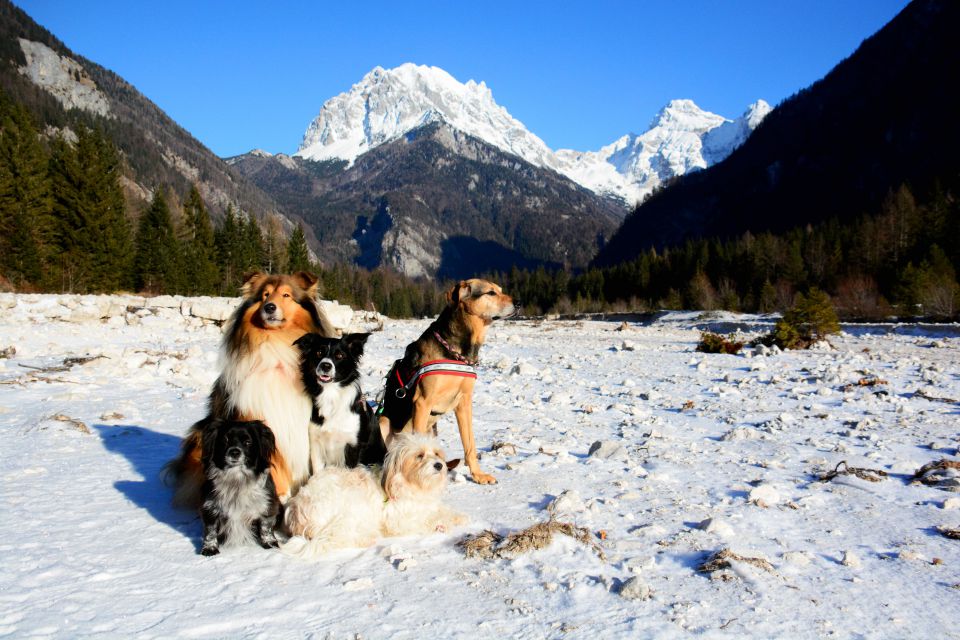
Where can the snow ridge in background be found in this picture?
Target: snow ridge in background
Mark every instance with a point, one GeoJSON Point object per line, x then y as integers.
{"type": "Point", "coordinates": [387, 103]}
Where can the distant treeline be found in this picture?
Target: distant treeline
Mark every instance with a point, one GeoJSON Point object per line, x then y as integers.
{"type": "Point", "coordinates": [64, 227]}
{"type": "Point", "coordinates": [901, 261]}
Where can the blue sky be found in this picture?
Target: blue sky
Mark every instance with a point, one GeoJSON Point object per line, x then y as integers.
{"type": "Point", "coordinates": [241, 75]}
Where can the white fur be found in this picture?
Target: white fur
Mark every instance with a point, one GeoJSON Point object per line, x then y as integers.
{"type": "Point", "coordinates": [241, 499]}
{"type": "Point", "coordinates": [340, 425]}
{"type": "Point", "coordinates": [266, 384]}
{"type": "Point", "coordinates": [341, 508]}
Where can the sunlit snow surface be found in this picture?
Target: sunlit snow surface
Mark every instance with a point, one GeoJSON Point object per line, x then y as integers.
{"type": "Point", "coordinates": [91, 547]}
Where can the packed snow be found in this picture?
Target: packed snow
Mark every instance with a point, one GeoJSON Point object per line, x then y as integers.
{"type": "Point", "coordinates": [388, 103]}
{"type": "Point", "coordinates": [672, 460]}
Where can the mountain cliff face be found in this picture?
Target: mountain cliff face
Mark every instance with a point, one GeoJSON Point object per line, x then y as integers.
{"type": "Point", "coordinates": [437, 201]}
{"type": "Point", "coordinates": [63, 90]}
{"type": "Point", "coordinates": [879, 119]}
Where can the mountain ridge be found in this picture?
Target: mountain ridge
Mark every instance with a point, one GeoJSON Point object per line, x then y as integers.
{"type": "Point", "coordinates": [386, 103]}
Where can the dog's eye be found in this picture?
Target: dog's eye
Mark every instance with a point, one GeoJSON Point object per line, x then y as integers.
{"type": "Point", "coordinates": [286, 295]}
{"type": "Point", "coordinates": [491, 293]}
{"type": "Point", "coordinates": [338, 356]}
{"type": "Point", "coordinates": [419, 456]}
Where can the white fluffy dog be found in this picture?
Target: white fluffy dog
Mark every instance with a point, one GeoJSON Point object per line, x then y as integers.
{"type": "Point", "coordinates": [341, 508]}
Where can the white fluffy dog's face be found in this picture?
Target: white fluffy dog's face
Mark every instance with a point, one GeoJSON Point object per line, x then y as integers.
{"type": "Point", "coordinates": [414, 465]}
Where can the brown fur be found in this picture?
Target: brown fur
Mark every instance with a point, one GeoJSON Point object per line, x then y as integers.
{"type": "Point", "coordinates": [248, 333]}
{"type": "Point", "coordinates": [472, 305]}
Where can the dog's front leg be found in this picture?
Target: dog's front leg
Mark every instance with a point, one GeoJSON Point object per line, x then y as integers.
{"type": "Point", "coordinates": [211, 530]}
{"type": "Point", "coordinates": [420, 420]}
{"type": "Point", "coordinates": [464, 413]}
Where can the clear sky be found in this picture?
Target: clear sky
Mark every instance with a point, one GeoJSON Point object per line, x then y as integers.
{"type": "Point", "coordinates": [247, 74]}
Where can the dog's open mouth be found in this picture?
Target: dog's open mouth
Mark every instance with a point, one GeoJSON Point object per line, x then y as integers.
{"type": "Point", "coordinates": [322, 377]}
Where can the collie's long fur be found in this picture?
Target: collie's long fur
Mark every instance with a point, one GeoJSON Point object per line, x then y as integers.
{"type": "Point", "coordinates": [340, 508]}
{"type": "Point", "coordinates": [260, 380]}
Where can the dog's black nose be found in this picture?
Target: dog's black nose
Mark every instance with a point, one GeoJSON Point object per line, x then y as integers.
{"type": "Point", "coordinates": [234, 452]}
{"type": "Point", "coordinates": [438, 465]}
{"type": "Point", "coordinates": [326, 366]}
{"type": "Point", "coordinates": [270, 307]}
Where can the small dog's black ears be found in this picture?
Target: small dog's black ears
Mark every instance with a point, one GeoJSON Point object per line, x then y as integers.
{"type": "Point", "coordinates": [355, 342]}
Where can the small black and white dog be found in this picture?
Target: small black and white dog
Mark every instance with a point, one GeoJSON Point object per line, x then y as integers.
{"type": "Point", "coordinates": [340, 431]}
{"type": "Point", "coordinates": [240, 503]}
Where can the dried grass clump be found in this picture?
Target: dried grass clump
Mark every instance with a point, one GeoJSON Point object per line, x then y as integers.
{"type": "Point", "coordinates": [953, 534]}
{"type": "Point", "coordinates": [929, 474]}
{"type": "Point", "coordinates": [870, 475]}
{"type": "Point", "coordinates": [488, 545]}
{"type": "Point", "coordinates": [724, 558]}
{"type": "Point", "coordinates": [716, 343]}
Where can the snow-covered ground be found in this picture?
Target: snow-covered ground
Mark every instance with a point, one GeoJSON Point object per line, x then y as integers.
{"type": "Point", "coordinates": [89, 545]}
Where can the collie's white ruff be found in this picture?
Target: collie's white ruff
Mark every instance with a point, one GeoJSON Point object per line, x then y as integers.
{"type": "Point", "coordinates": [265, 384]}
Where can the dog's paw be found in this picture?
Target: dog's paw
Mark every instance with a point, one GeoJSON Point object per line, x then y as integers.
{"type": "Point", "coordinates": [483, 478]}
{"type": "Point", "coordinates": [209, 551]}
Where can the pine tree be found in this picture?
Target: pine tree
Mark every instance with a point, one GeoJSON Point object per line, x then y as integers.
{"type": "Point", "coordinates": [93, 234]}
{"type": "Point", "coordinates": [157, 260]}
{"type": "Point", "coordinates": [252, 253]}
{"type": "Point", "coordinates": [229, 243]}
{"type": "Point", "coordinates": [298, 257]}
{"type": "Point", "coordinates": [201, 275]}
{"type": "Point", "coordinates": [274, 248]}
{"type": "Point", "coordinates": [26, 223]}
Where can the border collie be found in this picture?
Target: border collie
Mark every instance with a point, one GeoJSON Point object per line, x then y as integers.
{"type": "Point", "coordinates": [341, 422]}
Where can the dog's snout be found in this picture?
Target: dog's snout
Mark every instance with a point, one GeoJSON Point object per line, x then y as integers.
{"type": "Point", "coordinates": [270, 307]}
{"type": "Point", "coordinates": [234, 452]}
{"type": "Point", "coordinates": [438, 466]}
{"type": "Point", "coordinates": [326, 365]}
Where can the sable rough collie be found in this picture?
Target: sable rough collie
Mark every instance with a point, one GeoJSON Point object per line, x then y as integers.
{"type": "Point", "coordinates": [341, 508]}
{"type": "Point", "coordinates": [240, 503]}
{"type": "Point", "coordinates": [260, 380]}
{"type": "Point", "coordinates": [340, 424]}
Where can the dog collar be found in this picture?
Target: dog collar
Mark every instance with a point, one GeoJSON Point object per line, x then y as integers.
{"type": "Point", "coordinates": [456, 354]}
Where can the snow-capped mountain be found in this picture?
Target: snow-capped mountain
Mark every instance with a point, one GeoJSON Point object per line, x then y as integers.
{"type": "Point", "coordinates": [682, 137]}
{"type": "Point", "coordinates": [387, 103]}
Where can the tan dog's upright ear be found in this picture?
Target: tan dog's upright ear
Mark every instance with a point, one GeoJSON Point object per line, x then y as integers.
{"type": "Point", "coordinates": [251, 282]}
{"type": "Point", "coordinates": [458, 292]}
{"type": "Point", "coordinates": [308, 281]}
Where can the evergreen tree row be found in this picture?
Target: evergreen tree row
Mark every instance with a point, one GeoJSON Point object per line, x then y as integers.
{"type": "Point", "coordinates": [901, 261]}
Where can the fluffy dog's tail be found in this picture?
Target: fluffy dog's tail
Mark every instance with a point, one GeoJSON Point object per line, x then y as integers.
{"type": "Point", "coordinates": [185, 472]}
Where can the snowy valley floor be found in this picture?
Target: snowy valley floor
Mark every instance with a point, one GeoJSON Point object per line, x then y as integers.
{"type": "Point", "coordinates": [718, 452]}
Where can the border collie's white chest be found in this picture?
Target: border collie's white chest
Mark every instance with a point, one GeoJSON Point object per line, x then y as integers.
{"type": "Point", "coordinates": [340, 425]}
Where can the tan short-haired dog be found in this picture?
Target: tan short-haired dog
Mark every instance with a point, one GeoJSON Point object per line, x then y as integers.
{"type": "Point", "coordinates": [436, 373]}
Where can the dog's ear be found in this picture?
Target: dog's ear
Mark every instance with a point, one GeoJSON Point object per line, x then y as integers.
{"type": "Point", "coordinates": [306, 341]}
{"type": "Point", "coordinates": [355, 342]}
{"type": "Point", "coordinates": [267, 444]}
{"type": "Point", "coordinates": [459, 291]}
{"type": "Point", "coordinates": [308, 281]}
{"type": "Point", "coordinates": [251, 283]}
{"type": "Point", "coordinates": [209, 432]}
